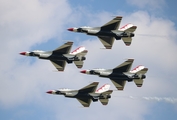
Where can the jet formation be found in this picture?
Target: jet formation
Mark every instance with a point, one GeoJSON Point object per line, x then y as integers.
{"type": "Point", "coordinates": [86, 94]}
{"type": "Point", "coordinates": [110, 31]}
{"type": "Point", "coordinates": [118, 75]}
{"type": "Point", "coordinates": [122, 73]}
{"type": "Point", "coordinates": [61, 55]}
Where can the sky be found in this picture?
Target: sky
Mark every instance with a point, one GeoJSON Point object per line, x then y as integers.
{"type": "Point", "coordinates": [42, 24]}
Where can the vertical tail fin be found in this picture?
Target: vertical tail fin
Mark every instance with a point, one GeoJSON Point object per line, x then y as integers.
{"type": "Point", "coordinates": [128, 28]}
{"type": "Point", "coordinates": [102, 89]}
{"type": "Point", "coordinates": [137, 69]}
{"type": "Point", "coordinates": [78, 50]}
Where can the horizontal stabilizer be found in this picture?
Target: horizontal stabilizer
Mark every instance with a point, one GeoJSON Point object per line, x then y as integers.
{"type": "Point", "coordinates": [138, 82]}
{"type": "Point", "coordinates": [127, 40]}
{"type": "Point", "coordinates": [79, 64]}
{"type": "Point", "coordinates": [104, 101]}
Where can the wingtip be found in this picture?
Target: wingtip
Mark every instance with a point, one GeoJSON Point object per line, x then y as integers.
{"type": "Point", "coordinates": [108, 47]}
{"type": "Point", "coordinates": [130, 59]}
{"type": "Point", "coordinates": [118, 16]}
{"type": "Point", "coordinates": [69, 43]}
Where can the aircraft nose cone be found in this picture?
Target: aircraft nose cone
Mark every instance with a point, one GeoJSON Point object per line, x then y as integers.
{"type": "Point", "coordinates": [71, 29]}
{"type": "Point", "coordinates": [23, 53]}
{"type": "Point", "coordinates": [83, 71]}
{"type": "Point", "coordinates": [49, 92]}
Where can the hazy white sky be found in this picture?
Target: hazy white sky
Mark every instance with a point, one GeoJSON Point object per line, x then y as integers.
{"type": "Point", "coordinates": [42, 24]}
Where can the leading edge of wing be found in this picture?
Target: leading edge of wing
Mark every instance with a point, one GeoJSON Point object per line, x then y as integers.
{"type": "Point", "coordinates": [124, 67]}
{"type": "Point", "coordinates": [65, 48]}
{"type": "Point", "coordinates": [89, 88]}
{"type": "Point", "coordinates": [112, 24]}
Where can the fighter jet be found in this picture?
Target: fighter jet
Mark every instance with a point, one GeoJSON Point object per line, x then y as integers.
{"type": "Point", "coordinates": [121, 74]}
{"type": "Point", "coordinates": [61, 55]}
{"type": "Point", "coordinates": [86, 94]}
{"type": "Point", "coordinates": [109, 31]}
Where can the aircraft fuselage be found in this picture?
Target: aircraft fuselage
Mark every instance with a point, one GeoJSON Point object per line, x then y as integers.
{"type": "Point", "coordinates": [57, 57]}
{"type": "Point", "coordinates": [114, 75]}
{"type": "Point", "coordinates": [122, 76]}
{"type": "Point", "coordinates": [78, 94]}
{"type": "Point", "coordinates": [109, 33]}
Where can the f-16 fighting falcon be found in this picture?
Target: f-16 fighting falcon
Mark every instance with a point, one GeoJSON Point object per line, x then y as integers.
{"type": "Point", "coordinates": [86, 94]}
{"type": "Point", "coordinates": [121, 74]}
{"type": "Point", "coordinates": [61, 55]}
{"type": "Point", "coordinates": [109, 31]}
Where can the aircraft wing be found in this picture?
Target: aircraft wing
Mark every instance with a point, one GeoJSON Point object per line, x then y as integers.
{"type": "Point", "coordinates": [127, 40]}
{"type": "Point", "coordinates": [113, 24]}
{"type": "Point", "coordinates": [89, 88]}
{"type": "Point", "coordinates": [119, 84]}
{"type": "Point", "coordinates": [84, 101]}
{"type": "Point", "coordinates": [138, 82]}
{"type": "Point", "coordinates": [107, 41]}
{"type": "Point", "coordinates": [59, 65]}
{"type": "Point", "coordinates": [64, 49]}
{"type": "Point", "coordinates": [124, 67]}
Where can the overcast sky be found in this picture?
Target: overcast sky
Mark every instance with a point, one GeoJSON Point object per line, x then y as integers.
{"type": "Point", "coordinates": [42, 24]}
